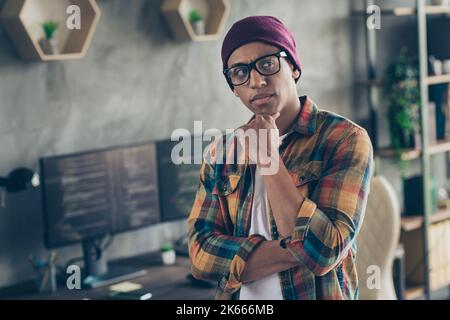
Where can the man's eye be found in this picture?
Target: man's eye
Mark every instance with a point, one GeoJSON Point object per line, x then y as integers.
{"type": "Point", "coordinates": [268, 64]}
{"type": "Point", "coordinates": [239, 72]}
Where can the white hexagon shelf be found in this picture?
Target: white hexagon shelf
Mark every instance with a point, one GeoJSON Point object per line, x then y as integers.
{"type": "Point", "coordinates": [213, 12]}
{"type": "Point", "coordinates": [23, 20]}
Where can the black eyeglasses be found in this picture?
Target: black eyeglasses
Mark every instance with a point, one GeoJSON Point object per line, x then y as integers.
{"type": "Point", "coordinates": [267, 65]}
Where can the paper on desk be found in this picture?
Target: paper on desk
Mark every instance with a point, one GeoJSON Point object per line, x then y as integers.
{"type": "Point", "coordinates": [126, 286]}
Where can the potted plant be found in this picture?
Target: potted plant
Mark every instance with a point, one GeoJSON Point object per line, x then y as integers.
{"type": "Point", "coordinates": [401, 93]}
{"type": "Point", "coordinates": [49, 44]}
{"type": "Point", "coordinates": [168, 254]}
{"type": "Point", "coordinates": [197, 22]}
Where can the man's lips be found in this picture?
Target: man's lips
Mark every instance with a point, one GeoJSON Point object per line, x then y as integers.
{"type": "Point", "coordinates": [261, 98]}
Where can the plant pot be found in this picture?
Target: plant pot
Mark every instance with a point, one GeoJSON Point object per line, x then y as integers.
{"type": "Point", "coordinates": [404, 140]}
{"type": "Point", "coordinates": [168, 257]}
{"type": "Point", "coordinates": [199, 27]}
{"type": "Point", "coordinates": [49, 46]}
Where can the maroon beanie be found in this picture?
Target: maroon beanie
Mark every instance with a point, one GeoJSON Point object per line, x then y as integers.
{"type": "Point", "coordinates": [265, 29]}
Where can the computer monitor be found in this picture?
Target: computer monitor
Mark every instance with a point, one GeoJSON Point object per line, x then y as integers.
{"type": "Point", "coordinates": [178, 182]}
{"type": "Point", "coordinates": [179, 178]}
{"type": "Point", "coordinates": [91, 194]}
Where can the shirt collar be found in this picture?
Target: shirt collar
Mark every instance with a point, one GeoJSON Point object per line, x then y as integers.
{"type": "Point", "coordinates": [307, 118]}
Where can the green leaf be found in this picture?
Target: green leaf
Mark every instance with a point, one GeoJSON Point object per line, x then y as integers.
{"type": "Point", "coordinates": [401, 95]}
{"type": "Point", "coordinates": [49, 27]}
{"type": "Point", "coordinates": [167, 247]}
{"type": "Point", "coordinates": [195, 16]}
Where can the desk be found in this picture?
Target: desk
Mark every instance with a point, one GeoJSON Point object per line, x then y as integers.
{"type": "Point", "coordinates": [164, 282]}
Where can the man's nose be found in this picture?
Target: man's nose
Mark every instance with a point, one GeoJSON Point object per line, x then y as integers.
{"type": "Point", "coordinates": [256, 79]}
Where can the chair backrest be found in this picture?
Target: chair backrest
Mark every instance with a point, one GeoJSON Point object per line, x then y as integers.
{"type": "Point", "coordinates": [377, 241]}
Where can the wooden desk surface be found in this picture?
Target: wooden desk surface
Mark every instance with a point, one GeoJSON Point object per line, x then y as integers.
{"type": "Point", "coordinates": [164, 282]}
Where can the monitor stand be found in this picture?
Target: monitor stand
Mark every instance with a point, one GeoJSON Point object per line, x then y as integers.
{"type": "Point", "coordinates": [97, 273]}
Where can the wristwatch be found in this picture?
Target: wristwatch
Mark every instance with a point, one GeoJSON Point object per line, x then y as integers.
{"type": "Point", "coordinates": [283, 243]}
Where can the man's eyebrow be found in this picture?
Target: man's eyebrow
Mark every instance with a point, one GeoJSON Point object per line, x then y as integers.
{"type": "Point", "coordinates": [237, 64]}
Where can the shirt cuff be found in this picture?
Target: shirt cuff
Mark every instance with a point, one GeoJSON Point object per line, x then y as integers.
{"type": "Point", "coordinates": [239, 261]}
{"type": "Point", "coordinates": [304, 215]}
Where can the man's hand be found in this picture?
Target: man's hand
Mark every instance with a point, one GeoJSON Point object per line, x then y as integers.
{"type": "Point", "coordinates": [261, 139]}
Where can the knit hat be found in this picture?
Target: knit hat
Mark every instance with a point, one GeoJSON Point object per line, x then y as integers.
{"type": "Point", "coordinates": [265, 29]}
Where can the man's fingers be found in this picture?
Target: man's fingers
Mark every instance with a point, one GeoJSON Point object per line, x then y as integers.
{"type": "Point", "coordinates": [247, 126]}
{"type": "Point", "coordinates": [276, 116]}
{"type": "Point", "coordinates": [260, 118]}
{"type": "Point", "coordinates": [268, 117]}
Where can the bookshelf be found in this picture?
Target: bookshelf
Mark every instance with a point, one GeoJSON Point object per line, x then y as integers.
{"type": "Point", "coordinates": [23, 20]}
{"type": "Point", "coordinates": [428, 220]}
{"type": "Point", "coordinates": [214, 13]}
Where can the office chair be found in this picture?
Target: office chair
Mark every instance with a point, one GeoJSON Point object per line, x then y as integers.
{"type": "Point", "coordinates": [377, 242]}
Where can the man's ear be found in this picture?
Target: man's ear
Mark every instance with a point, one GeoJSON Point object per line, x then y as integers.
{"type": "Point", "coordinates": [295, 72]}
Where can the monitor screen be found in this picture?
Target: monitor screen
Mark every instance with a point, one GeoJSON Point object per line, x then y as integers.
{"type": "Point", "coordinates": [178, 182]}
{"type": "Point", "coordinates": [90, 194]}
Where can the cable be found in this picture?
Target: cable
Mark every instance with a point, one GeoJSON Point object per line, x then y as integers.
{"type": "Point", "coordinates": [109, 241]}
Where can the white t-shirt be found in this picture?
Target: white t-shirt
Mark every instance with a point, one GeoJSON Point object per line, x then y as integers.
{"type": "Point", "coordinates": [268, 288]}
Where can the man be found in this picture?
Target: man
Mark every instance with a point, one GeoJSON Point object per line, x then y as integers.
{"type": "Point", "coordinates": [289, 234]}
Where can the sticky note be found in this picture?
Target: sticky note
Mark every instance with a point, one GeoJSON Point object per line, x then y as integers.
{"type": "Point", "coordinates": [125, 287]}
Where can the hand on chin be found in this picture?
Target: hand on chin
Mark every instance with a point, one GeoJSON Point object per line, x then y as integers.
{"type": "Point", "coordinates": [266, 112]}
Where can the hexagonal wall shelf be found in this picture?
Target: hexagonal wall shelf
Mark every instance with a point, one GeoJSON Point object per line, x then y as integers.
{"type": "Point", "coordinates": [23, 20]}
{"type": "Point", "coordinates": [213, 12]}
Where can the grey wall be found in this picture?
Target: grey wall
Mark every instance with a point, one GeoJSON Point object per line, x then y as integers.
{"type": "Point", "coordinates": [138, 84]}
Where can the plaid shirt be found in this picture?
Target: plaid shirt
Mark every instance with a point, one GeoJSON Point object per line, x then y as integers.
{"type": "Point", "coordinates": [330, 161]}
